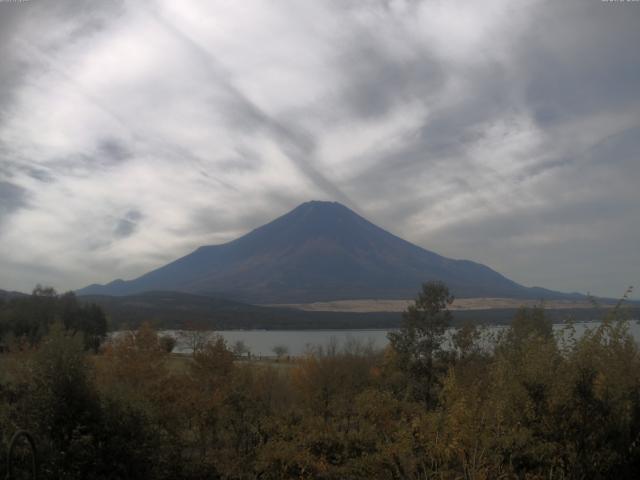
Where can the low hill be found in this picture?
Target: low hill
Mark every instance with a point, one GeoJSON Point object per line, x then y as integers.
{"type": "Point", "coordinates": [177, 310]}
{"type": "Point", "coordinates": [7, 295]}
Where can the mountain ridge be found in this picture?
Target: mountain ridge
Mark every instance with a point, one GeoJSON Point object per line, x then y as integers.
{"type": "Point", "coordinates": [316, 252]}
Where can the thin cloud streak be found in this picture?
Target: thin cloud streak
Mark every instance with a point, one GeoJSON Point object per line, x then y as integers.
{"type": "Point", "coordinates": [298, 146]}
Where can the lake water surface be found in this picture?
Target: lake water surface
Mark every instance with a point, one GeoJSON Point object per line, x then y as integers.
{"type": "Point", "coordinates": [298, 342]}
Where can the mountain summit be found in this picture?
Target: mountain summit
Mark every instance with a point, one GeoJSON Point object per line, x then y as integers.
{"type": "Point", "coordinates": [319, 251]}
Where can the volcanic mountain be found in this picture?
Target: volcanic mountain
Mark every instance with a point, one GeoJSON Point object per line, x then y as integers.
{"type": "Point", "coordinates": [319, 251]}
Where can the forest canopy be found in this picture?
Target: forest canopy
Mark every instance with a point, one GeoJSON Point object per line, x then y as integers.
{"type": "Point", "coordinates": [528, 402]}
{"type": "Point", "coordinates": [28, 318]}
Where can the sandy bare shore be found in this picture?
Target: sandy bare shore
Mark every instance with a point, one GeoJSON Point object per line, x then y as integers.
{"type": "Point", "coordinates": [374, 305]}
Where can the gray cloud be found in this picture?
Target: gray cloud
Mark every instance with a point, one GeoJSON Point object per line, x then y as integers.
{"type": "Point", "coordinates": [113, 151]}
{"type": "Point", "coordinates": [377, 82]}
{"type": "Point", "coordinates": [584, 62]}
{"type": "Point", "coordinates": [127, 225]}
{"type": "Point", "coordinates": [12, 198]}
{"type": "Point", "coordinates": [12, 16]}
{"type": "Point", "coordinates": [21, 22]}
{"type": "Point", "coordinates": [503, 133]}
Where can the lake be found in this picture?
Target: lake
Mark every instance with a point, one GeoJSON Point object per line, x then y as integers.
{"type": "Point", "coordinates": [298, 342]}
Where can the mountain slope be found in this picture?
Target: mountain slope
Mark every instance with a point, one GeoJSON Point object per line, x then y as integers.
{"type": "Point", "coordinates": [319, 251]}
{"type": "Point", "coordinates": [8, 295]}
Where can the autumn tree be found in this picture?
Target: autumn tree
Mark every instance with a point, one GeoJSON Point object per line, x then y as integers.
{"type": "Point", "coordinates": [167, 343]}
{"type": "Point", "coordinates": [195, 335]}
{"type": "Point", "coordinates": [280, 351]}
{"type": "Point", "coordinates": [64, 405]}
{"type": "Point", "coordinates": [240, 348]}
{"type": "Point", "coordinates": [210, 375]}
{"type": "Point", "coordinates": [418, 343]}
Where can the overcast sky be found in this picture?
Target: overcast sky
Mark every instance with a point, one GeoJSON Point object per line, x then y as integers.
{"type": "Point", "coordinates": [505, 132]}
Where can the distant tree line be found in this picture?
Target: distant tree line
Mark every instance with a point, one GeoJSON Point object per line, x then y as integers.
{"type": "Point", "coordinates": [526, 402]}
{"type": "Point", "coordinates": [27, 319]}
